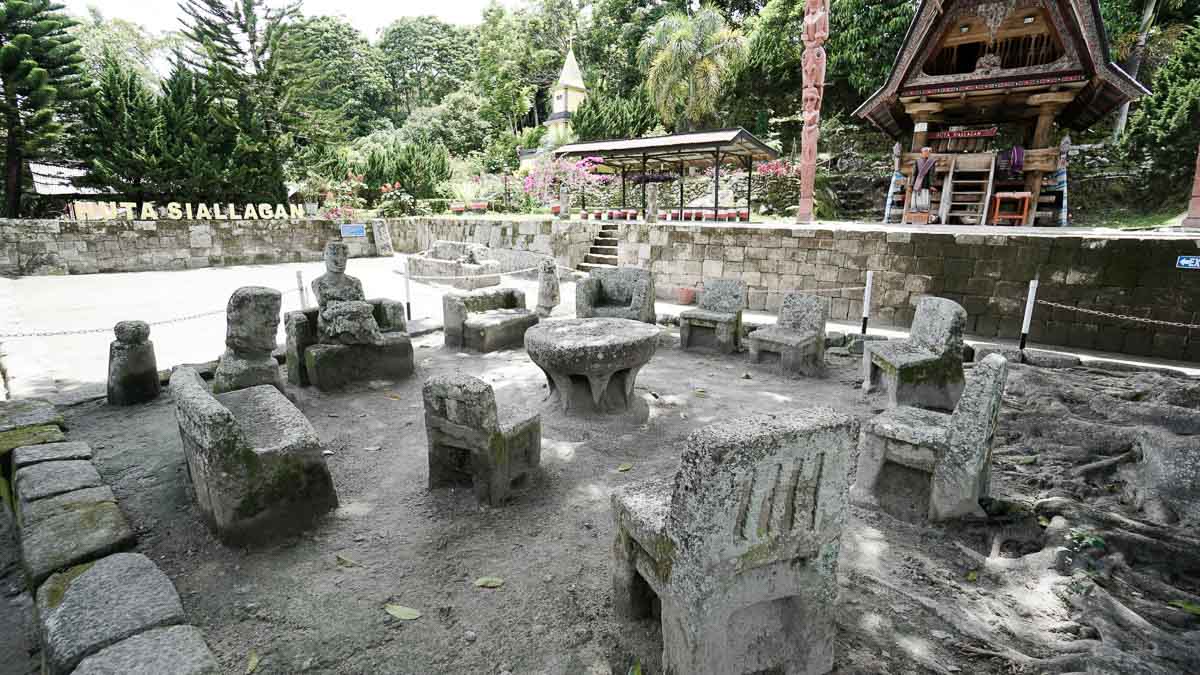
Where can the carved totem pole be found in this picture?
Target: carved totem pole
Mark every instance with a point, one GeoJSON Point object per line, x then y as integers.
{"type": "Point", "coordinates": [816, 31]}
{"type": "Point", "coordinates": [1193, 216]}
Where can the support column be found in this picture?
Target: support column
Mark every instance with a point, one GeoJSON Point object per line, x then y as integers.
{"type": "Point", "coordinates": [643, 184]}
{"type": "Point", "coordinates": [622, 187]}
{"type": "Point", "coordinates": [749, 187]}
{"type": "Point", "coordinates": [816, 31]}
{"type": "Point", "coordinates": [682, 175]}
{"type": "Point", "coordinates": [1049, 105]}
{"type": "Point", "coordinates": [1193, 216]}
{"type": "Point", "coordinates": [716, 183]}
{"type": "Point", "coordinates": [922, 114]}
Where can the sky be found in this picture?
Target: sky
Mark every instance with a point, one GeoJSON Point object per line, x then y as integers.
{"type": "Point", "coordinates": [366, 15]}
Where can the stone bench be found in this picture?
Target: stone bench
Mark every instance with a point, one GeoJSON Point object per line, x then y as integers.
{"type": "Point", "coordinates": [467, 443]}
{"type": "Point", "coordinates": [470, 262]}
{"type": "Point", "coordinates": [255, 462]}
{"type": "Point", "coordinates": [622, 293]}
{"type": "Point", "coordinates": [486, 320]}
{"type": "Point", "coordinates": [717, 322]}
{"type": "Point", "coordinates": [333, 366]}
{"type": "Point", "coordinates": [741, 550]}
{"type": "Point", "coordinates": [799, 336]}
{"type": "Point", "coordinates": [926, 369]}
{"type": "Point", "coordinates": [944, 460]}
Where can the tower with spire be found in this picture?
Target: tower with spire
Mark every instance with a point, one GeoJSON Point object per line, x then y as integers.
{"type": "Point", "coordinates": [566, 95]}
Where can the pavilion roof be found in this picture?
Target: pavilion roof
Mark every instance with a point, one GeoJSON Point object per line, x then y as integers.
{"type": "Point", "coordinates": [674, 149]}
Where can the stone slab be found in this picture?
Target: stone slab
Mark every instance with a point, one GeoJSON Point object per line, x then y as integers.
{"type": "Point", "coordinates": [90, 607]}
{"type": "Point", "coordinates": [854, 342]}
{"type": "Point", "coordinates": [74, 537]}
{"type": "Point", "coordinates": [45, 433]}
{"type": "Point", "coordinates": [1043, 359]}
{"type": "Point", "coordinates": [33, 513]}
{"type": "Point", "coordinates": [28, 412]}
{"type": "Point", "coordinates": [1010, 354]}
{"type": "Point", "coordinates": [54, 478]}
{"type": "Point", "coordinates": [179, 650]}
{"type": "Point", "coordinates": [332, 367]}
{"type": "Point", "coordinates": [28, 455]}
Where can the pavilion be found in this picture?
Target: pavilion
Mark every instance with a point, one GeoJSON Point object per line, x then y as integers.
{"type": "Point", "coordinates": [675, 153]}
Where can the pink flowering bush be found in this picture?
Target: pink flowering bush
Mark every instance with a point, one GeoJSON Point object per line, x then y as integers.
{"type": "Point", "coordinates": [542, 182]}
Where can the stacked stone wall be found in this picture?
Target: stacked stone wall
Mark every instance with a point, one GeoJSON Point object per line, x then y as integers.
{"type": "Point", "coordinates": [517, 244]}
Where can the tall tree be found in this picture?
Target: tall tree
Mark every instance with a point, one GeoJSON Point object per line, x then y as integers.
{"type": "Point", "coordinates": [135, 47]}
{"type": "Point", "coordinates": [123, 126]}
{"type": "Point", "coordinates": [1133, 64]}
{"type": "Point", "coordinates": [41, 83]}
{"type": "Point", "coordinates": [608, 50]}
{"type": "Point", "coordinates": [426, 59]}
{"type": "Point", "coordinates": [864, 38]}
{"type": "Point", "coordinates": [601, 116]}
{"type": "Point", "coordinates": [687, 59]}
{"type": "Point", "coordinates": [507, 94]}
{"type": "Point", "coordinates": [455, 123]}
{"type": "Point", "coordinates": [197, 139]}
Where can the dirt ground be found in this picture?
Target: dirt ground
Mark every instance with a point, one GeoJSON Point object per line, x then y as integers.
{"type": "Point", "coordinates": [916, 598]}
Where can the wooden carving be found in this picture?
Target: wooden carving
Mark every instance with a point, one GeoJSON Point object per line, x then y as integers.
{"type": "Point", "coordinates": [816, 31]}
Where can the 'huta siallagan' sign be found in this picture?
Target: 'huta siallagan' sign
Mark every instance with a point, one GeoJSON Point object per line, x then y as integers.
{"type": "Point", "coordinates": [185, 211]}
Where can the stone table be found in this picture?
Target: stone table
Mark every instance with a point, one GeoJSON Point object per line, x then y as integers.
{"type": "Point", "coordinates": [592, 364]}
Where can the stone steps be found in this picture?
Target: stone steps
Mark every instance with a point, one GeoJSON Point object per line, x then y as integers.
{"type": "Point", "coordinates": [603, 250]}
{"type": "Point", "coordinates": [588, 267]}
{"type": "Point", "coordinates": [610, 260]}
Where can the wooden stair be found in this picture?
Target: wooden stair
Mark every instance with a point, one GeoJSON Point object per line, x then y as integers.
{"type": "Point", "coordinates": [603, 253]}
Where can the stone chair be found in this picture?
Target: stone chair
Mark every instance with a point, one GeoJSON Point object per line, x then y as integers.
{"type": "Point", "coordinates": [739, 557]}
{"type": "Point", "coordinates": [468, 265]}
{"type": "Point", "coordinates": [332, 366]}
{"type": "Point", "coordinates": [719, 315]}
{"type": "Point", "coordinates": [946, 457]}
{"type": "Point", "coordinates": [253, 459]}
{"type": "Point", "coordinates": [798, 337]}
{"type": "Point", "coordinates": [926, 369]}
{"type": "Point", "coordinates": [467, 445]}
{"type": "Point", "coordinates": [621, 293]}
{"type": "Point", "coordinates": [486, 320]}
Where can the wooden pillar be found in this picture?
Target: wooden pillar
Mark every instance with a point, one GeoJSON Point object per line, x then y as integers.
{"type": "Point", "coordinates": [1193, 217]}
{"type": "Point", "coordinates": [1048, 105]}
{"type": "Point", "coordinates": [922, 114]}
{"type": "Point", "coordinates": [816, 31]}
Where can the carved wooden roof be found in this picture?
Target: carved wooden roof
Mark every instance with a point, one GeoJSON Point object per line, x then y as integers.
{"type": "Point", "coordinates": [1076, 59]}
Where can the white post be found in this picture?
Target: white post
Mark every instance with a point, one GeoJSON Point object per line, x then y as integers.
{"type": "Point", "coordinates": [1030, 301]}
{"type": "Point", "coordinates": [303, 291]}
{"type": "Point", "coordinates": [407, 293]}
{"type": "Point", "coordinates": [866, 313]}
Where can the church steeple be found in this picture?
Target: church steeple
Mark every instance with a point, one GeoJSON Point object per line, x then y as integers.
{"type": "Point", "coordinates": [567, 94]}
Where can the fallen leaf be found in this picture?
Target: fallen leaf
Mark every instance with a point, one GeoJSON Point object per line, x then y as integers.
{"type": "Point", "coordinates": [394, 397]}
{"type": "Point", "coordinates": [972, 576]}
{"type": "Point", "coordinates": [401, 612]}
{"type": "Point", "coordinates": [252, 664]}
{"type": "Point", "coordinates": [489, 582]}
{"type": "Point", "coordinates": [346, 562]}
{"type": "Point", "coordinates": [624, 467]}
{"type": "Point", "coordinates": [700, 393]}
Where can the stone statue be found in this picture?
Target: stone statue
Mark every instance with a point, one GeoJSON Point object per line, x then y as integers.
{"type": "Point", "coordinates": [132, 368]}
{"type": "Point", "coordinates": [251, 322]}
{"type": "Point", "coordinates": [345, 316]}
{"type": "Point", "coordinates": [548, 296]}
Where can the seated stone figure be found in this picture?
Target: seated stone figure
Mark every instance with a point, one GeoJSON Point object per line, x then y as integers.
{"type": "Point", "coordinates": [951, 454]}
{"type": "Point", "coordinates": [468, 445]}
{"type": "Point", "coordinates": [254, 461]}
{"type": "Point", "coordinates": [741, 553]}
{"type": "Point", "coordinates": [718, 321]}
{"type": "Point", "coordinates": [347, 338]}
{"type": "Point", "coordinates": [926, 369]}
{"type": "Point", "coordinates": [798, 337]}
{"type": "Point", "coordinates": [621, 293]}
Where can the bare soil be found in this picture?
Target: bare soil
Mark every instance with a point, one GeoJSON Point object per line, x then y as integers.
{"type": "Point", "coordinates": [916, 598]}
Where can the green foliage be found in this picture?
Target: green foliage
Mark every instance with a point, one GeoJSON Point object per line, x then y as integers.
{"type": "Point", "coordinates": [864, 38]}
{"type": "Point", "coordinates": [500, 155]}
{"type": "Point", "coordinates": [384, 157]}
{"type": "Point", "coordinates": [125, 124]}
{"type": "Point", "coordinates": [455, 123]}
{"type": "Point", "coordinates": [602, 116]}
{"type": "Point", "coordinates": [687, 58]}
{"type": "Point", "coordinates": [608, 50]}
{"type": "Point", "coordinates": [1165, 130]}
{"type": "Point", "coordinates": [129, 43]}
{"type": "Point", "coordinates": [41, 85]}
{"type": "Point", "coordinates": [426, 60]}
{"type": "Point", "coordinates": [507, 94]}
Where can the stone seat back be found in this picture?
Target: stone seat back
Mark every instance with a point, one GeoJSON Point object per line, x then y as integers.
{"type": "Point", "coordinates": [726, 296]}
{"type": "Point", "coordinates": [803, 313]}
{"type": "Point", "coordinates": [938, 326]}
{"type": "Point", "coordinates": [624, 292]}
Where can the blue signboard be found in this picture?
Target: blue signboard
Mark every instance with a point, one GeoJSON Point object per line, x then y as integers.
{"type": "Point", "coordinates": [1188, 262]}
{"type": "Point", "coordinates": [355, 230]}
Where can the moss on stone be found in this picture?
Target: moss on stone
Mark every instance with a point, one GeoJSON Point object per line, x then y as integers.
{"type": "Point", "coordinates": [35, 435]}
{"type": "Point", "coordinates": [56, 586]}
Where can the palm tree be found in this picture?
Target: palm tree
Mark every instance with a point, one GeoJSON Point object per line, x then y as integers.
{"type": "Point", "coordinates": [687, 57]}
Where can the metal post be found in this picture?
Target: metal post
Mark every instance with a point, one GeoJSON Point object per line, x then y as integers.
{"type": "Point", "coordinates": [749, 186]}
{"type": "Point", "coordinates": [1030, 301]}
{"type": "Point", "coordinates": [681, 181]}
{"type": "Point", "coordinates": [303, 291]}
{"type": "Point", "coordinates": [643, 182]}
{"type": "Point", "coordinates": [716, 182]}
{"type": "Point", "coordinates": [407, 292]}
{"type": "Point", "coordinates": [866, 313]}
{"type": "Point", "coordinates": [622, 187]}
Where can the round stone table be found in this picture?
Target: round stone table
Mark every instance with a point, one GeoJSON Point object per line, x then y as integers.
{"type": "Point", "coordinates": [592, 364]}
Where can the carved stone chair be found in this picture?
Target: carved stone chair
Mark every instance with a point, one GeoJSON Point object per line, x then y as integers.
{"type": "Point", "coordinates": [467, 445]}
{"type": "Point", "coordinates": [486, 320]}
{"type": "Point", "coordinates": [253, 459]}
{"type": "Point", "coordinates": [332, 366]}
{"type": "Point", "coordinates": [799, 336]}
{"type": "Point", "coordinates": [621, 293]}
{"type": "Point", "coordinates": [740, 555]}
{"type": "Point", "coordinates": [719, 316]}
{"type": "Point", "coordinates": [952, 452]}
{"type": "Point", "coordinates": [926, 369]}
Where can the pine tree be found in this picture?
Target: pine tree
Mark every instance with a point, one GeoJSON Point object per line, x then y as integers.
{"type": "Point", "coordinates": [41, 81]}
{"type": "Point", "coordinates": [195, 145]}
{"type": "Point", "coordinates": [123, 127]}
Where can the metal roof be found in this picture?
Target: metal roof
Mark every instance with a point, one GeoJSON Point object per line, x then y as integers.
{"type": "Point", "coordinates": [674, 149]}
{"type": "Point", "coordinates": [52, 179]}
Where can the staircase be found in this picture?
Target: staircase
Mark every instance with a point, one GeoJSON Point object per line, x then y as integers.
{"type": "Point", "coordinates": [603, 253]}
{"type": "Point", "coordinates": [968, 189]}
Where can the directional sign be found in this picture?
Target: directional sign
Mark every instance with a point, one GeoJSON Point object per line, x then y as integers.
{"type": "Point", "coordinates": [354, 231]}
{"type": "Point", "coordinates": [1188, 262]}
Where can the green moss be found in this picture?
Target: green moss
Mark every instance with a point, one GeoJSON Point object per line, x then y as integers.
{"type": "Point", "coordinates": [288, 480]}
{"type": "Point", "coordinates": [36, 435]}
{"type": "Point", "coordinates": [6, 494]}
{"type": "Point", "coordinates": [57, 585]}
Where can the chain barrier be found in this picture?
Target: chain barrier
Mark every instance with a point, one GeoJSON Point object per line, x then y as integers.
{"type": "Point", "coordinates": [1122, 317]}
{"type": "Point", "coordinates": [88, 331]}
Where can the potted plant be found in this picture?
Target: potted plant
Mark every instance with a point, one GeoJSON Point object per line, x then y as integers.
{"type": "Point", "coordinates": [466, 196]}
{"type": "Point", "coordinates": [686, 295]}
{"type": "Point", "coordinates": [311, 189]}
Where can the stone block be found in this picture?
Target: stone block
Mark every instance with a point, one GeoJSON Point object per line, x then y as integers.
{"type": "Point", "coordinates": [31, 513]}
{"type": "Point", "coordinates": [132, 367]}
{"type": "Point", "coordinates": [179, 650]}
{"type": "Point", "coordinates": [92, 530]}
{"type": "Point", "coordinates": [1044, 359]}
{"type": "Point", "coordinates": [47, 479]}
{"type": "Point", "coordinates": [49, 452]}
{"type": "Point", "coordinates": [28, 412]}
{"type": "Point", "coordinates": [90, 607]}
{"type": "Point", "coordinates": [330, 367]}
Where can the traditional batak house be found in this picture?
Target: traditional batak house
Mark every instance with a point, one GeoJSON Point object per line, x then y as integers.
{"type": "Point", "coordinates": [983, 83]}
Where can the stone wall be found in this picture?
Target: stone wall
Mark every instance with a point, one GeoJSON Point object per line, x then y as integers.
{"type": "Point", "coordinates": [987, 274]}
{"type": "Point", "coordinates": [88, 247]}
{"type": "Point", "coordinates": [517, 244]}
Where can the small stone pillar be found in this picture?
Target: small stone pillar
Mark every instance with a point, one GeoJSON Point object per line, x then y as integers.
{"type": "Point", "coordinates": [132, 368]}
{"type": "Point", "coordinates": [548, 296]}
{"type": "Point", "coordinates": [252, 319]}
{"type": "Point", "coordinates": [652, 202]}
{"type": "Point", "coordinates": [1193, 216]}
{"type": "Point", "coordinates": [564, 203]}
